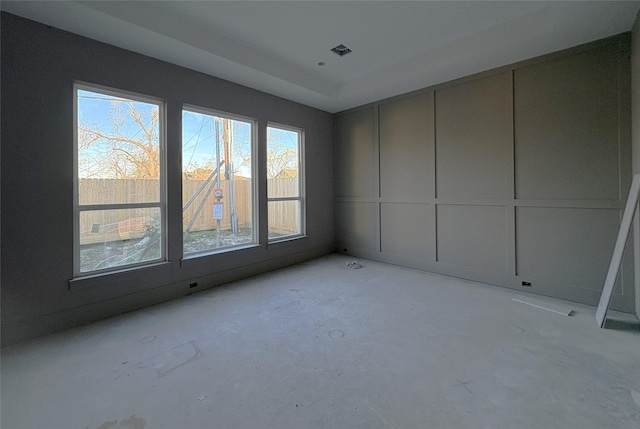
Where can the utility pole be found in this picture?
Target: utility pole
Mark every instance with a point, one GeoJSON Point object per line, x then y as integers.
{"type": "Point", "coordinates": [217, 128]}
{"type": "Point", "coordinates": [227, 137]}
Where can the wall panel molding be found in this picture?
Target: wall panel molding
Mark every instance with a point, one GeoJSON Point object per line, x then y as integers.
{"type": "Point", "coordinates": [529, 162]}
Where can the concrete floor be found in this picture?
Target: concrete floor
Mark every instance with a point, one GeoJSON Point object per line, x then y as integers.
{"type": "Point", "coordinates": [320, 345]}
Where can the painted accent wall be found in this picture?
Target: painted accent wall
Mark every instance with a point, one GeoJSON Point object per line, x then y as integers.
{"type": "Point", "coordinates": [515, 177]}
{"type": "Point", "coordinates": [39, 67]}
{"type": "Point", "coordinates": [635, 133]}
{"type": "Point", "coordinates": [635, 91]}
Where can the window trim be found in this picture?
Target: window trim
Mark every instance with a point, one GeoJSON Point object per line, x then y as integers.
{"type": "Point", "coordinates": [162, 200]}
{"type": "Point", "coordinates": [302, 191]}
{"type": "Point", "coordinates": [255, 220]}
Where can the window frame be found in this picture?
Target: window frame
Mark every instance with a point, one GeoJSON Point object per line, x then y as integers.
{"type": "Point", "coordinates": [255, 220]}
{"type": "Point", "coordinates": [301, 197]}
{"type": "Point", "coordinates": [162, 180]}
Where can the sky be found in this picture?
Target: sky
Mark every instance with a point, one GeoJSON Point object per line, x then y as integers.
{"type": "Point", "coordinates": [98, 111]}
{"type": "Point", "coordinates": [199, 141]}
{"type": "Point", "coordinates": [198, 133]}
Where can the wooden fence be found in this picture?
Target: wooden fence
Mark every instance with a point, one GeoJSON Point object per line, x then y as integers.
{"type": "Point", "coordinates": [204, 219]}
{"type": "Point", "coordinates": [104, 226]}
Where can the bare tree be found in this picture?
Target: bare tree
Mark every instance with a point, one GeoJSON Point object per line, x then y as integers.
{"type": "Point", "coordinates": [128, 148]}
{"type": "Point", "coordinates": [282, 161]}
{"type": "Point", "coordinates": [282, 155]}
{"type": "Point", "coordinates": [120, 152]}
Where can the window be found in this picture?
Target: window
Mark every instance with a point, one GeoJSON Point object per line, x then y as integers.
{"type": "Point", "coordinates": [217, 185]}
{"type": "Point", "coordinates": [119, 186]}
{"type": "Point", "coordinates": [285, 182]}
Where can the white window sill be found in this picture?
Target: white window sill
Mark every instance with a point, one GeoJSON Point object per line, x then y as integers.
{"type": "Point", "coordinates": [291, 239]}
{"type": "Point", "coordinates": [244, 247]}
{"type": "Point", "coordinates": [89, 280]}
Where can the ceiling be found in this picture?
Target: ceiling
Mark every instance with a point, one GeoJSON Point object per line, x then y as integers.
{"type": "Point", "coordinates": [397, 46]}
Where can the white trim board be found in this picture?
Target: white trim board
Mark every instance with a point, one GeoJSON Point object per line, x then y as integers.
{"type": "Point", "coordinates": [560, 309]}
{"type": "Point", "coordinates": [618, 250]}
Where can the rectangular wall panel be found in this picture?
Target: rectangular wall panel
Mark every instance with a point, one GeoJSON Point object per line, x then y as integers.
{"type": "Point", "coordinates": [566, 127]}
{"type": "Point", "coordinates": [406, 127]}
{"type": "Point", "coordinates": [356, 225]}
{"type": "Point", "coordinates": [507, 176]}
{"type": "Point", "coordinates": [472, 236]}
{"type": "Point", "coordinates": [565, 245]}
{"type": "Point", "coordinates": [407, 229]}
{"type": "Point", "coordinates": [473, 134]}
{"type": "Point", "coordinates": [355, 154]}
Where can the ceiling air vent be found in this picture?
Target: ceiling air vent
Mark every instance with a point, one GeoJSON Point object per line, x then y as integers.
{"type": "Point", "coordinates": [341, 50]}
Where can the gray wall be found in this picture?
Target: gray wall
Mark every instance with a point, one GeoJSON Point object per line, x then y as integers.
{"type": "Point", "coordinates": [517, 174]}
{"type": "Point", "coordinates": [635, 90]}
{"type": "Point", "coordinates": [635, 133]}
{"type": "Point", "coordinates": [39, 66]}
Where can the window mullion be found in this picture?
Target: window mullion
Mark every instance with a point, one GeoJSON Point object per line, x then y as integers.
{"type": "Point", "coordinates": [94, 207]}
